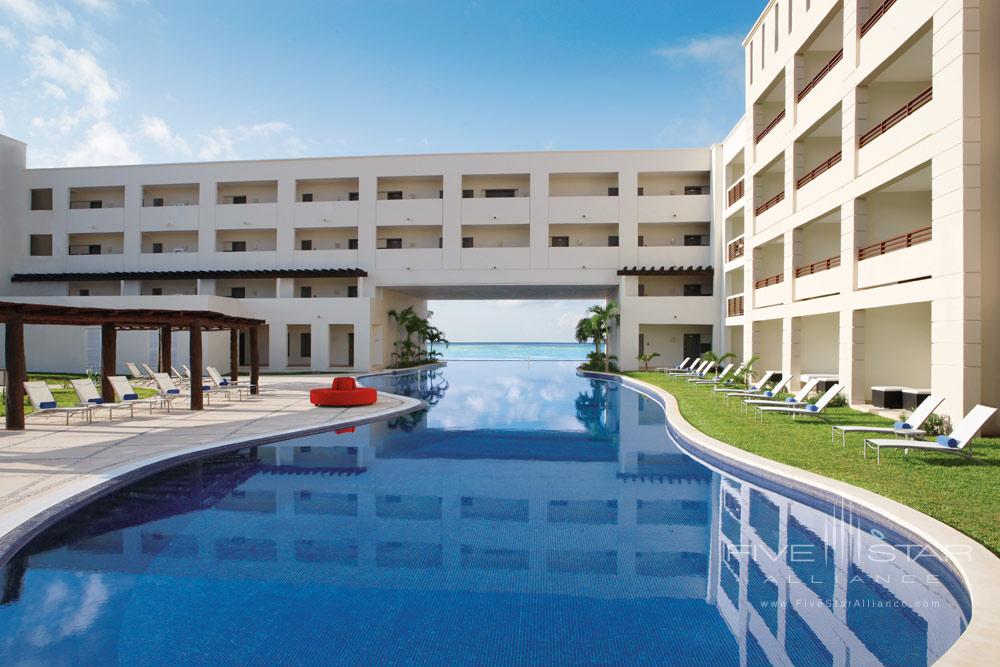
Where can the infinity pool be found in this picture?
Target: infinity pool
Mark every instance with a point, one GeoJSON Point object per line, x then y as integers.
{"type": "Point", "coordinates": [529, 516]}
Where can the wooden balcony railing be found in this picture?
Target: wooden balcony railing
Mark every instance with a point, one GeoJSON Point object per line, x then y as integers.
{"type": "Point", "coordinates": [770, 126]}
{"type": "Point", "coordinates": [876, 15]}
{"type": "Point", "coordinates": [823, 166]}
{"type": "Point", "coordinates": [897, 116]}
{"type": "Point", "coordinates": [916, 237]}
{"type": "Point", "coordinates": [734, 306]}
{"type": "Point", "coordinates": [735, 193]}
{"type": "Point", "coordinates": [770, 280]}
{"type": "Point", "coordinates": [735, 249]}
{"type": "Point", "coordinates": [816, 267]}
{"type": "Point", "coordinates": [837, 57]}
{"type": "Point", "coordinates": [770, 203]}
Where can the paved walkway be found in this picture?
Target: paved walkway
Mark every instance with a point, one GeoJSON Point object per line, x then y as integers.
{"type": "Point", "coordinates": [50, 462]}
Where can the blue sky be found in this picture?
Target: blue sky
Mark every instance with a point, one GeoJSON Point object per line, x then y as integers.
{"type": "Point", "coordinates": [124, 81]}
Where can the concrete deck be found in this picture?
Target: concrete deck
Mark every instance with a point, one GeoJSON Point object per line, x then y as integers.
{"type": "Point", "coordinates": [50, 468]}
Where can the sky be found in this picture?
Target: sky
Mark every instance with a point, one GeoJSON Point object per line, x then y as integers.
{"type": "Point", "coordinates": [88, 82]}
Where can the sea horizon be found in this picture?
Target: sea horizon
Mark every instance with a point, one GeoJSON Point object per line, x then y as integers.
{"type": "Point", "coordinates": [501, 351]}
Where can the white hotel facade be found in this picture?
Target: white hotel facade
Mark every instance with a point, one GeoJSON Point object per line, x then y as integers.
{"type": "Point", "coordinates": [846, 226]}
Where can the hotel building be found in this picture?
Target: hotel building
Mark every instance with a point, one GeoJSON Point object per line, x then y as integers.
{"type": "Point", "coordinates": [841, 229]}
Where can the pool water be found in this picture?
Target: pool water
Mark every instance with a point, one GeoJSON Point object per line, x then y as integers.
{"type": "Point", "coordinates": [528, 516]}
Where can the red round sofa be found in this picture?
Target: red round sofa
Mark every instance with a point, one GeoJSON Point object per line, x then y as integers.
{"type": "Point", "coordinates": [344, 392]}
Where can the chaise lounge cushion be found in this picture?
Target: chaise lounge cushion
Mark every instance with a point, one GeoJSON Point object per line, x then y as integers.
{"type": "Point", "coordinates": [344, 392]}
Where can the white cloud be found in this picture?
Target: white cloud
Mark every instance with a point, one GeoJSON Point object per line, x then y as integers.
{"type": "Point", "coordinates": [50, 89]}
{"type": "Point", "coordinates": [36, 14]}
{"type": "Point", "coordinates": [7, 38]}
{"type": "Point", "coordinates": [711, 49]}
{"type": "Point", "coordinates": [105, 7]}
{"type": "Point", "coordinates": [158, 131]}
{"type": "Point", "coordinates": [76, 70]}
{"type": "Point", "coordinates": [3, 122]}
{"type": "Point", "coordinates": [223, 143]}
{"type": "Point", "coordinates": [104, 144]}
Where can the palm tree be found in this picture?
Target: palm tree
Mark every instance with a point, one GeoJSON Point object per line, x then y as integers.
{"type": "Point", "coordinates": [587, 330]}
{"type": "Point", "coordinates": [606, 316]}
{"type": "Point", "coordinates": [647, 357]}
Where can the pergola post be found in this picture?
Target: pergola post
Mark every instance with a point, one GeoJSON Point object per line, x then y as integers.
{"type": "Point", "coordinates": [234, 354]}
{"type": "Point", "coordinates": [254, 360]}
{"type": "Point", "coordinates": [166, 349]}
{"type": "Point", "coordinates": [17, 373]}
{"type": "Point", "coordinates": [197, 365]}
{"type": "Point", "coordinates": [109, 360]}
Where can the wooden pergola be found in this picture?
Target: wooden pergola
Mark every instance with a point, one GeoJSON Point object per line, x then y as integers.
{"type": "Point", "coordinates": [111, 320]}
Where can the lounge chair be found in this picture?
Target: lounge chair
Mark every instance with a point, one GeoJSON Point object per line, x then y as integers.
{"type": "Point", "coordinates": [959, 442]}
{"type": "Point", "coordinates": [700, 371]}
{"type": "Point", "coordinates": [722, 375]}
{"type": "Point", "coordinates": [910, 428]}
{"type": "Point", "coordinates": [138, 377]}
{"type": "Point", "coordinates": [178, 378]}
{"type": "Point", "coordinates": [222, 383]}
{"type": "Point", "coordinates": [43, 403]}
{"type": "Point", "coordinates": [813, 410]}
{"type": "Point", "coordinates": [87, 392]}
{"type": "Point", "coordinates": [796, 401]}
{"type": "Point", "coordinates": [124, 393]}
{"type": "Point", "coordinates": [756, 388]}
{"type": "Point", "coordinates": [670, 369]}
{"type": "Point", "coordinates": [694, 367]}
{"type": "Point", "coordinates": [169, 392]}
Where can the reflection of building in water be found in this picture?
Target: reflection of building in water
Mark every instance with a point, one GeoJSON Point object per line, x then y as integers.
{"type": "Point", "coordinates": [802, 587]}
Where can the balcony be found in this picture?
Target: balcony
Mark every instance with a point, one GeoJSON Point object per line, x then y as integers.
{"type": "Point", "coordinates": [583, 258]}
{"type": "Point", "coordinates": [776, 279]}
{"type": "Point", "coordinates": [676, 255]}
{"type": "Point", "coordinates": [896, 117]}
{"type": "Point", "coordinates": [675, 208]}
{"type": "Point", "coordinates": [84, 220]}
{"type": "Point", "coordinates": [769, 291]}
{"type": "Point", "coordinates": [318, 259]}
{"type": "Point", "coordinates": [496, 258]}
{"type": "Point", "coordinates": [879, 12]}
{"type": "Point", "coordinates": [770, 203]}
{"type": "Point", "coordinates": [326, 214]}
{"type": "Point", "coordinates": [735, 193]}
{"type": "Point", "coordinates": [496, 211]}
{"type": "Point", "coordinates": [246, 216]}
{"type": "Point", "coordinates": [903, 257]}
{"type": "Point", "coordinates": [672, 309]}
{"type": "Point", "coordinates": [824, 166]}
{"type": "Point", "coordinates": [770, 126]}
{"type": "Point", "coordinates": [734, 306]}
{"type": "Point", "coordinates": [837, 57]}
{"type": "Point", "coordinates": [408, 212]}
{"type": "Point", "coordinates": [596, 209]}
{"type": "Point", "coordinates": [735, 249]}
{"type": "Point", "coordinates": [168, 218]}
{"type": "Point", "coordinates": [405, 259]}
{"type": "Point", "coordinates": [820, 278]}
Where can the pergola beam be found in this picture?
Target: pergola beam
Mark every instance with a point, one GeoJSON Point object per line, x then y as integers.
{"type": "Point", "coordinates": [17, 373]}
{"type": "Point", "coordinates": [197, 363]}
{"type": "Point", "coordinates": [109, 361]}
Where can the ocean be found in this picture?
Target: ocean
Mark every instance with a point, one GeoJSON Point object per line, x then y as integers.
{"type": "Point", "coordinates": [510, 351]}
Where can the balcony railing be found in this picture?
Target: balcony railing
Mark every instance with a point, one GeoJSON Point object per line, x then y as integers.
{"type": "Point", "coordinates": [837, 57]}
{"type": "Point", "coordinates": [770, 126]}
{"type": "Point", "coordinates": [770, 280]}
{"type": "Point", "coordinates": [770, 203]}
{"type": "Point", "coordinates": [735, 192]}
{"type": "Point", "coordinates": [876, 15]}
{"type": "Point", "coordinates": [734, 306]}
{"type": "Point", "coordinates": [816, 267]}
{"type": "Point", "coordinates": [916, 237]}
{"type": "Point", "coordinates": [735, 249]}
{"type": "Point", "coordinates": [895, 118]}
{"type": "Point", "coordinates": [823, 166]}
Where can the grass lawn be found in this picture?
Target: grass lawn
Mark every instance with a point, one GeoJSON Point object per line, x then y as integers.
{"type": "Point", "coordinates": [963, 493]}
{"type": "Point", "coordinates": [62, 391]}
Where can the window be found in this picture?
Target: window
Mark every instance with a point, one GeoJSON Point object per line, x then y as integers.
{"type": "Point", "coordinates": [352, 244]}
{"type": "Point", "coordinates": [694, 189]}
{"type": "Point", "coordinates": [642, 292]}
{"type": "Point", "coordinates": [237, 292]}
{"type": "Point", "coordinates": [467, 242]}
{"type": "Point", "coordinates": [157, 291]}
{"type": "Point", "coordinates": [468, 194]}
{"type": "Point", "coordinates": [352, 196]}
{"type": "Point", "coordinates": [560, 241]}
{"type": "Point", "coordinates": [613, 241]}
{"type": "Point", "coordinates": [695, 239]}
{"type": "Point", "coordinates": [307, 196]}
{"type": "Point", "coordinates": [305, 292]}
{"type": "Point", "coordinates": [40, 245]}
{"type": "Point", "coordinates": [306, 244]}
{"type": "Point", "coordinates": [94, 249]}
{"type": "Point", "coordinates": [157, 248]}
{"type": "Point", "coordinates": [394, 244]}
{"type": "Point", "coordinates": [501, 192]}
{"type": "Point", "coordinates": [641, 191]}
{"type": "Point", "coordinates": [612, 192]}
{"type": "Point", "coordinates": [352, 291]}
{"type": "Point", "coordinates": [41, 199]}
{"type": "Point", "coordinates": [239, 199]}
{"type": "Point", "coordinates": [642, 350]}
{"type": "Point", "coordinates": [692, 290]}
{"type": "Point", "coordinates": [83, 292]}
{"type": "Point", "coordinates": [238, 246]}
{"type": "Point", "coordinates": [305, 345]}
{"type": "Point", "coordinates": [394, 194]}
{"type": "Point", "coordinates": [97, 203]}
{"type": "Point", "coordinates": [157, 201]}
{"type": "Point", "coordinates": [642, 240]}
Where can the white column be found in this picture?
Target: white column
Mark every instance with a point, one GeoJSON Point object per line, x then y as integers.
{"type": "Point", "coordinates": [451, 225]}
{"type": "Point", "coordinates": [539, 189]}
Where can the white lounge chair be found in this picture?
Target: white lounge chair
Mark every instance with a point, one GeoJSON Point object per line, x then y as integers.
{"type": "Point", "coordinates": [909, 428]}
{"type": "Point", "coordinates": [169, 392]}
{"type": "Point", "coordinates": [700, 371]}
{"type": "Point", "coordinates": [679, 367]}
{"type": "Point", "coordinates": [43, 403]}
{"type": "Point", "coordinates": [178, 378]}
{"type": "Point", "coordinates": [796, 401]}
{"type": "Point", "coordinates": [222, 383]}
{"type": "Point", "coordinates": [722, 375]}
{"type": "Point", "coordinates": [693, 368]}
{"type": "Point", "coordinates": [87, 392]}
{"type": "Point", "coordinates": [756, 388]}
{"type": "Point", "coordinates": [812, 410]}
{"type": "Point", "coordinates": [959, 442]}
{"type": "Point", "coordinates": [138, 377]}
{"type": "Point", "coordinates": [124, 393]}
